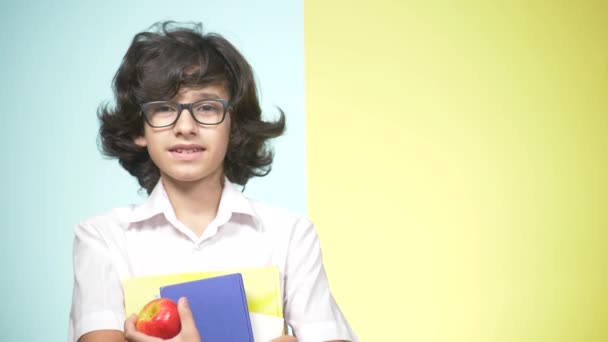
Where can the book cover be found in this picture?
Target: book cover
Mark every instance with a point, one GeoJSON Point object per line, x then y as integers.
{"type": "Point", "coordinates": [219, 307]}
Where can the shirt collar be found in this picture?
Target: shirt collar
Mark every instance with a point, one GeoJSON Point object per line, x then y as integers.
{"type": "Point", "coordinates": [231, 201]}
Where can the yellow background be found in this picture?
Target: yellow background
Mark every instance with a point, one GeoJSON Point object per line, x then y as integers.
{"type": "Point", "coordinates": [457, 165]}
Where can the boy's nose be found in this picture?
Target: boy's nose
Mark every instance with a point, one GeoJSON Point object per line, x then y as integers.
{"type": "Point", "coordinates": [185, 124]}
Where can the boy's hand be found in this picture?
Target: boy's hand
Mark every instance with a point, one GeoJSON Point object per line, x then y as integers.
{"type": "Point", "coordinates": [188, 332]}
{"type": "Point", "coordinates": [285, 339]}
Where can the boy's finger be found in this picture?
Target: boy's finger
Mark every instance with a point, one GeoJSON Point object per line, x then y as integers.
{"type": "Point", "coordinates": [131, 333]}
{"type": "Point", "coordinates": [130, 323]}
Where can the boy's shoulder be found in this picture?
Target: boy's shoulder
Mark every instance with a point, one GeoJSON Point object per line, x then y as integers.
{"type": "Point", "coordinates": [113, 219]}
{"type": "Point", "coordinates": [276, 217]}
{"type": "Point", "coordinates": [264, 208]}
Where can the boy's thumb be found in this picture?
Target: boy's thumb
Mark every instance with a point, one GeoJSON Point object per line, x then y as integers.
{"type": "Point", "coordinates": [187, 320]}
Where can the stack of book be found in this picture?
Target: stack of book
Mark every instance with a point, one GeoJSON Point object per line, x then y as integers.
{"type": "Point", "coordinates": [241, 305]}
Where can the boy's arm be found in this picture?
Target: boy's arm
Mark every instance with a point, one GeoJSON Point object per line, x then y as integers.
{"type": "Point", "coordinates": [97, 302]}
{"type": "Point", "coordinates": [103, 336]}
{"type": "Point", "coordinates": [309, 305]}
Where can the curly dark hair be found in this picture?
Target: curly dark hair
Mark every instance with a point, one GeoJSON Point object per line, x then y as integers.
{"type": "Point", "coordinates": [157, 64]}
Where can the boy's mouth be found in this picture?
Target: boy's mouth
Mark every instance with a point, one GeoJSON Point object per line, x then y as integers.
{"type": "Point", "coordinates": [186, 148]}
{"type": "Point", "coordinates": [186, 152]}
{"type": "Point", "coordinates": [190, 150]}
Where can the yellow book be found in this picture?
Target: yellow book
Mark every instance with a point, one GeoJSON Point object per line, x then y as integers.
{"type": "Point", "coordinates": [262, 288]}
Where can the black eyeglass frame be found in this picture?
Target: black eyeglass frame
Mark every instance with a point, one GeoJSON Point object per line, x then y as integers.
{"type": "Point", "coordinates": [180, 109]}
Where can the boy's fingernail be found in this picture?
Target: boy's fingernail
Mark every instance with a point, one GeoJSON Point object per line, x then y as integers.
{"type": "Point", "coordinates": [184, 301]}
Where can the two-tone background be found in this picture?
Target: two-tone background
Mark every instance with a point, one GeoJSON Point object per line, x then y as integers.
{"type": "Point", "coordinates": [453, 155]}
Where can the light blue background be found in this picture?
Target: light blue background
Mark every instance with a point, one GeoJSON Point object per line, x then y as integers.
{"type": "Point", "coordinates": [57, 62]}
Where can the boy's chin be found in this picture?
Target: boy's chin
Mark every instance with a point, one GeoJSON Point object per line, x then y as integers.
{"type": "Point", "coordinates": [192, 178]}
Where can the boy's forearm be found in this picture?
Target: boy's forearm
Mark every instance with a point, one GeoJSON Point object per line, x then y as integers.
{"type": "Point", "coordinates": [103, 336]}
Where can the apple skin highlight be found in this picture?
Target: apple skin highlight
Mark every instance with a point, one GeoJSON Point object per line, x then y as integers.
{"type": "Point", "coordinates": [159, 318]}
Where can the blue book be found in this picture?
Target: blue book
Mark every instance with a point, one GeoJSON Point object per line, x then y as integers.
{"type": "Point", "coordinates": [219, 307]}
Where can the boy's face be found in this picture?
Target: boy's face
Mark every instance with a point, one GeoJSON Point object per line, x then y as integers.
{"type": "Point", "coordinates": [189, 151]}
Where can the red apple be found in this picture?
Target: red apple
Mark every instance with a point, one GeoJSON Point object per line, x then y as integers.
{"type": "Point", "coordinates": [159, 318]}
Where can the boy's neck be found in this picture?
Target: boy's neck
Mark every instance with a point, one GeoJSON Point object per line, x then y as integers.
{"type": "Point", "coordinates": [195, 203]}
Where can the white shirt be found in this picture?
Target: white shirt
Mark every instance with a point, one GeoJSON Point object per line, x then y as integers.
{"type": "Point", "coordinates": [148, 239]}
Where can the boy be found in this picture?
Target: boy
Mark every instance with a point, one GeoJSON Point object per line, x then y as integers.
{"type": "Point", "coordinates": [187, 124]}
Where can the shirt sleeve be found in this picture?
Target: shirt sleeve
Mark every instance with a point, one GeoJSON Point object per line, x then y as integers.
{"type": "Point", "coordinates": [97, 297]}
{"type": "Point", "coordinates": [309, 305]}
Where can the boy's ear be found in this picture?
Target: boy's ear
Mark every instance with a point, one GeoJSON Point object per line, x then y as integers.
{"type": "Point", "coordinates": [140, 141]}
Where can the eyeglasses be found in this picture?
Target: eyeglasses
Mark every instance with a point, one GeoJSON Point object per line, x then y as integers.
{"type": "Point", "coordinates": [165, 113]}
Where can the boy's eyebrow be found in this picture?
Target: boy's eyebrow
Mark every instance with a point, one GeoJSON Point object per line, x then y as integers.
{"type": "Point", "coordinates": [205, 95]}
{"type": "Point", "coordinates": [208, 95]}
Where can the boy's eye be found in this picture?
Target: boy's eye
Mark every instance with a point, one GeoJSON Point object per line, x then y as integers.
{"type": "Point", "coordinates": [164, 109]}
{"type": "Point", "coordinates": [207, 107]}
